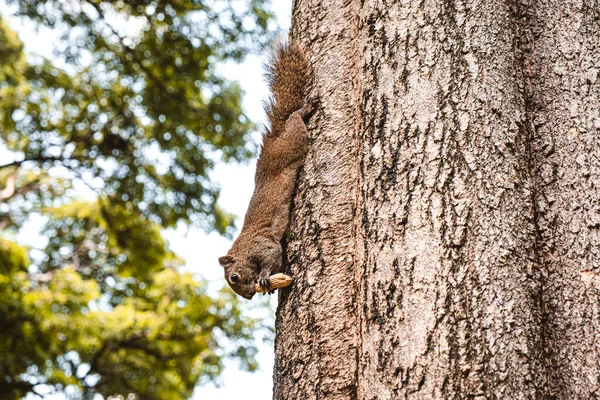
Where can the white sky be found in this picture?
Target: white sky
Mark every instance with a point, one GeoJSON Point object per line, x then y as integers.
{"type": "Point", "coordinates": [199, 250]}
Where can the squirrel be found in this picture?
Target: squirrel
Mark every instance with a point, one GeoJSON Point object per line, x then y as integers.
{"type": "Point", "coordinates": [257, 252]}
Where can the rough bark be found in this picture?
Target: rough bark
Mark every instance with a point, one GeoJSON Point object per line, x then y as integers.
{"type": "Point", "coordinates": [446, 231]}
{"type": "Point", "coordinates": [563, 90]}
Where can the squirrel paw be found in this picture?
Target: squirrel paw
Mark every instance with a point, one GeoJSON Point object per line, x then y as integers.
{"type": "Point", "coordinates": [265, 283]}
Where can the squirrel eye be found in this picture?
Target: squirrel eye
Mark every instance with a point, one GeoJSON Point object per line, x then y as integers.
{"type": "Point", "coordinates": [234, 278]}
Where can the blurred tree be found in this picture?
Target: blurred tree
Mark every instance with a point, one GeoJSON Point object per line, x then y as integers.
{"type": "Point", "coordinates": [130, 106]}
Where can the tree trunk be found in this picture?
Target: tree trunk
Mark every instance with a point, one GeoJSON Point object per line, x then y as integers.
{"type": "Point", "coordinates": [445, 240]}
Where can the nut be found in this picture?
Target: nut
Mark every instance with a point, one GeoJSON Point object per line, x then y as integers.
{"type": "Point", "coordinates": [277, 281]}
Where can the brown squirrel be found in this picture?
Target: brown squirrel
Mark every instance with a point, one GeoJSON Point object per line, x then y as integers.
{"type": "Point", "coordinates": [256, 253]}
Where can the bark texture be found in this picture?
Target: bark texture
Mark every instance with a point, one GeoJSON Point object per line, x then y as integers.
{"type": "Point", "coordinates": [445, 240]}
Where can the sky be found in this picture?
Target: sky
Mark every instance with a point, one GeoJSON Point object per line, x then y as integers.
{"type": "Point", "coordinates": [198, 249]}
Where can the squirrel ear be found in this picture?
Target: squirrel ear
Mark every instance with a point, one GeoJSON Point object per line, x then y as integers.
{"type": "Point", "coordinates": [225, 260]}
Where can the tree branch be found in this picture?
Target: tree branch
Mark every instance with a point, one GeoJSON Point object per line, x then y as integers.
{"type": "Point", "coordinates": [151, 352]}
{"type": "Point", "coordinates": [9, 188]}
{"type": "Point", "coordinates": [34, 159]}
{"type": "Point", "coordinates": [7, 387]}
{"type": "Point", "coordinates": [33, 185]}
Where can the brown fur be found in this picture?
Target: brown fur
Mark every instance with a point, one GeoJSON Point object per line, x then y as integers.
{"type": "Point", "coordinates": [256, 254]}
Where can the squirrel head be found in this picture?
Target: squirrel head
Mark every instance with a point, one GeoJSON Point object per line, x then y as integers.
{"type": "Point", "coordinates": [240, 275]}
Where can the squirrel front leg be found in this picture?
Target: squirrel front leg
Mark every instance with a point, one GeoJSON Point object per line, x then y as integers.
{"type": "Point", "coordinates": [269, 261]}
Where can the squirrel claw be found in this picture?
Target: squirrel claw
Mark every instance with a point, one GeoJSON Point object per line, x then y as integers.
{"type": "Point", "coordinates": [265, 283]}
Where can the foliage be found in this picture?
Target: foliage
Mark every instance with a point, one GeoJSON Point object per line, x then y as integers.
{"type": "Point", "coordinates": [131, 107]}
{"type": "Point", "coordinates": [139, 105]}
{"type": "Point", "coordinates": [60, 329]}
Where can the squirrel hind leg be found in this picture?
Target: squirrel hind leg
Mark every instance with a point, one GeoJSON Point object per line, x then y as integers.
{"type": "Point", "coordinates": [309, 108]}
{"type": "Point", "coordinates": [296, 133]}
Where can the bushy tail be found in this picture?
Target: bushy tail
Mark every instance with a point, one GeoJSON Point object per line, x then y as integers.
{"type": "Point", "coordinates": [288, 74]}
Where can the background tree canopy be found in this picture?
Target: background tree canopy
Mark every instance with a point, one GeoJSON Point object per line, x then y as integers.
{"type": "Point", "coordinates": [132, 108]}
